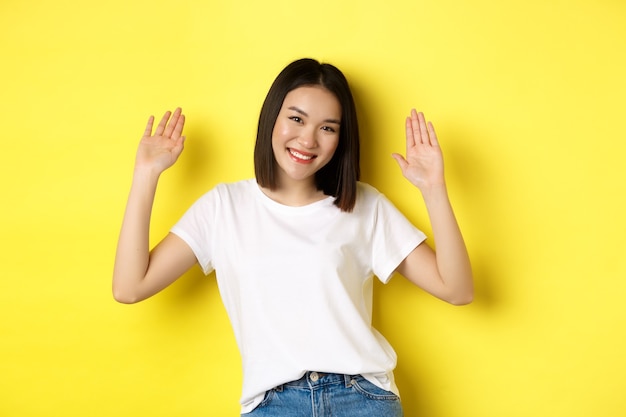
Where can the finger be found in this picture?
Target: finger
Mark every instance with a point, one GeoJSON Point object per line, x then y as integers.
{"type": "Point", "coordinates": [410, 138]}
{"type": "Point", "coordinates": [423, 128]}
{"type": "Point", "coordinates": [171, 125]}
{"type": "Point", "coordinates": [417, 134]}
{"type": "Point", "coordinates": [148, 130]}
{"type": "Point", "coordinates": [432, 135]}
{"type": "Point", "coordinates": [178, 129]}
{"type": "Point", "coordinates": [161, 127]}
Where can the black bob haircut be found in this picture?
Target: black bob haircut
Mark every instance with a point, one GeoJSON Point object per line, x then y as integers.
{"type": "Point", "coordinates": [338, 178]}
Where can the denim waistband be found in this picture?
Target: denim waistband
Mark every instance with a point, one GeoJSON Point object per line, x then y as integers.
{"type": "Point", "coordinates": [313, 379]}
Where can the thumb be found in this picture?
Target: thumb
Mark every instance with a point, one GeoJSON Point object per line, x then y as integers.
{"type": "Point", "coordinates": [400, 160]}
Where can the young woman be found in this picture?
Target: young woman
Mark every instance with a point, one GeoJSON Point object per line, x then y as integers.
{"type": "Point", "coordinates": [295, 249]}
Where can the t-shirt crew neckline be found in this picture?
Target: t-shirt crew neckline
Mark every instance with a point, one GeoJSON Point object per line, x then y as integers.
{"type": "Point", "coordinates": [307, 208]}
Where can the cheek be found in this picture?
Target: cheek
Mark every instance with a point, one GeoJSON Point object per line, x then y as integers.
{"type": "Point", "coordinates": [280, 129]}
{"type": "Point", "coordinates": [333, 146]}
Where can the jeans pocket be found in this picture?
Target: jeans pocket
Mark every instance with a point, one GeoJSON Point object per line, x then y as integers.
{"type": "Point", "coordinates": [269, 396]}
{"type": "Point", "coordinates": [371, 391]}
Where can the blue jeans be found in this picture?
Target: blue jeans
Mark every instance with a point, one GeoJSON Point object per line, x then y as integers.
{"type": "Point", "coordinates": [323, 395]}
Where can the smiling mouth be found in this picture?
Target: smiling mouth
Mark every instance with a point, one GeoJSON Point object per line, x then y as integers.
{"type": "Point", "coordinates": [301, 156]}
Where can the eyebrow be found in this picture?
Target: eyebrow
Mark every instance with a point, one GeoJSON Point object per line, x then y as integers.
{"type": "Point", "coordinates": [302, 112]}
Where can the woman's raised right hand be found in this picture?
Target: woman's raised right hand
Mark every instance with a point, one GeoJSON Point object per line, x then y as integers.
{"type": "Point", "coordinates": [160, 150]}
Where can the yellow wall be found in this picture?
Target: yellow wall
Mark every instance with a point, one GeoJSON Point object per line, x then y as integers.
{"type": "Point", "coordinates": [528, 100]}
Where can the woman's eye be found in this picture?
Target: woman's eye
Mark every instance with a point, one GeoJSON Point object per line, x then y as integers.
{"type": "Point", "coordinates": [295, 119]}
{"type": "Point", "coordinates": [328, 129]}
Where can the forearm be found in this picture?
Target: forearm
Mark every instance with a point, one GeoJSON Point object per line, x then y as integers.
{"type": "Point", "coordinates": [133, 251]}
{"type": "Point", "coordinates": [452, 258]}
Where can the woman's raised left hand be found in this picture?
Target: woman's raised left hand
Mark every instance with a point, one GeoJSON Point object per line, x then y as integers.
{"type": "Point", "coordinates": [423, 163]}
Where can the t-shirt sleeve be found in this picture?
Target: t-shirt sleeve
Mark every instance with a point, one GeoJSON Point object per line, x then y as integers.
{"type": "Point", "coordinates": [196, 227]}
{"type": "Point", "coordinates": [394, 238]}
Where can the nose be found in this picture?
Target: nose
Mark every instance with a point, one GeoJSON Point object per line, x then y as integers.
{"type": "Point", "coordinates": [308, 139]}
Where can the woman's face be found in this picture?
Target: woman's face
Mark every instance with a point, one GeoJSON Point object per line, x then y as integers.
{"type": "Point", "coordinates": [306, 133]}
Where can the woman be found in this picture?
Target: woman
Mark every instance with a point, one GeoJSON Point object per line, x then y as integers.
{"type": "Point", "coordinates": [295, 249]}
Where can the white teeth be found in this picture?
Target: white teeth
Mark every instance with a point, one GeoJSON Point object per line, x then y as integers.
{"type": "Point", "coordinates": [299, 155]}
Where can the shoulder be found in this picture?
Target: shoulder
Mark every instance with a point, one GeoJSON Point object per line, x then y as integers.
{"type": "Point", "coordinates": [366, 193]}
{"type": "Point", "coordinates": [370, 199]}
{"type": "Point", "coordinates": [366, 189]}
{"type": "Point", "coordinates": [367, 199]}
{"type": "Point", "coordinates": [243, 186]}
{"type": "Point", "coordinates": [238, 188]}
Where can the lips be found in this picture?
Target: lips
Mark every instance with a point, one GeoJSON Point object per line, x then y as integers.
{"type": "Point", "coordinates": [299, 156]}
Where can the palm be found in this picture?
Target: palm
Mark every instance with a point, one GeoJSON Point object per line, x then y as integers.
{"type": "Point", "coordinates": [161, 149]}
{"type": "Point", "coordinates": [423, 163]}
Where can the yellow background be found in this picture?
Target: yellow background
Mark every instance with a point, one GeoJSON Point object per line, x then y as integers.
{"type": "Point", "coordinates": [528, 101]}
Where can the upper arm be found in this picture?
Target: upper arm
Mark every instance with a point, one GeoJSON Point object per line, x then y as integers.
{"type": "Point", "coordinates": [170, 259]}
{"type": "Point", "coordinates": [420, 267]}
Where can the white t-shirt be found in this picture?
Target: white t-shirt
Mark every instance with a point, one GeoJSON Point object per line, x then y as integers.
{"type": "Point", "coordinates": [297, 281]}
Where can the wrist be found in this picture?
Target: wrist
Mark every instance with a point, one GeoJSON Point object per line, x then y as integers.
{"type": "Point", "coordinates": [146, 171]}
{"type": "Point", "coordinates": [144, 175]}
{"type": "Point", "coordinates": [435, 196]}
{"type": "Point", "coordinates": [434, 190]}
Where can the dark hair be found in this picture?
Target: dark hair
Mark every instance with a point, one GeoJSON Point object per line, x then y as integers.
{"type": "Point", "coordinates": [339, 176]}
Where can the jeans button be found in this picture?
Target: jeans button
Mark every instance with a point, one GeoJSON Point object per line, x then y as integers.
{"type": "Point", "coordinates": [314, 376]}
